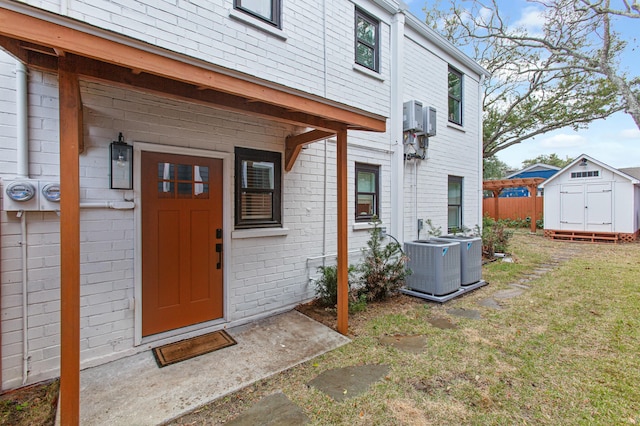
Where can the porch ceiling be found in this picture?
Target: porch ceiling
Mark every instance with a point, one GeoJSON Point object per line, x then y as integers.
{"type": "Point", "coordinates": [39, 39]}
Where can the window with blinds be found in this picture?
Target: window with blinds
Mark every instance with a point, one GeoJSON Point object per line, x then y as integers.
{"type": "Point", "coordinates": [258, 188]}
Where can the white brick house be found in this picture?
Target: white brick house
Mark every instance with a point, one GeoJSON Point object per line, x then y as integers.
{"type": "Point", "coordinates": [212, 98]}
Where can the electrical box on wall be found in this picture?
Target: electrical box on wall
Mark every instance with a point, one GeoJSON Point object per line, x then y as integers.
{"type": "Point", "coordinates": [412, 116]}
{"type": "Point", "coordinates": [429, 120]}
{"type": "Point", "coordinates": [30, 195]}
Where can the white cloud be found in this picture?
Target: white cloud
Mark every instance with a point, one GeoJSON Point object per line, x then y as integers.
{"type": "Point", "coordinates": [532, 19]}
{"type": "Point", "coordinates": [563, 140]}
{"type": "Point", "coordinates": [630, 134]}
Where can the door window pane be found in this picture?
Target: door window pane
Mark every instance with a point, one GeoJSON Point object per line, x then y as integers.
{"type": "Point", "coordinates": [189, 180]}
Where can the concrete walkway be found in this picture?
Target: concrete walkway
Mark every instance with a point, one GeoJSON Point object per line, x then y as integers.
{"type": "Point", "coordinates": [134, 391]}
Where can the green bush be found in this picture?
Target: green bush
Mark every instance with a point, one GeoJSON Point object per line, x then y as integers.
{"type": "Point", "coordinates": [383, 269]}
{"type": "Point", "coordinates": [327, 285]}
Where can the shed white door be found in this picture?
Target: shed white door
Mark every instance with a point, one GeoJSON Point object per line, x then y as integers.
{"type": "Point", "coordinates": [586, 207]}
{"type": "Point", "coordinates": [598, 207]}
{"type": "Point", "coordinates": [572, 207]}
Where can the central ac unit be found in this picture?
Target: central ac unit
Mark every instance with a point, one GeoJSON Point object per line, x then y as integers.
{"type": "Point", "coordinates": [470, 257]}
{"type": "Point", "coordinates": [435, 266]}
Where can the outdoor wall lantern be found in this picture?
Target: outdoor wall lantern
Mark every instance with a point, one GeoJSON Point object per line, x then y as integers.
{"type": "Point", "coordinates": [583, 163]}
{"type": "Point", "coordinates": [121, 166]}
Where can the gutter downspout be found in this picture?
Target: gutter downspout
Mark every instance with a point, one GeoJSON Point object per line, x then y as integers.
{"type": "Point", "coordinates": [481, 139]}
{"type": "Point", "coordinates": [22, 172]}
{"type": "Point", "coordinates": [395, 127]}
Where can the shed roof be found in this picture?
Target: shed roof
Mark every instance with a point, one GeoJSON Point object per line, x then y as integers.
{"type": "Point", "coordinates": [634, 180]}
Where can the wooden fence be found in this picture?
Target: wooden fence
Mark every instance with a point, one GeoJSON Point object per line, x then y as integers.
{"type": "Point", "coordinates": [513, 207]}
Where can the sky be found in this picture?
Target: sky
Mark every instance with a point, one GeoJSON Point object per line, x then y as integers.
{"type": "Point", "coordinates": [614, 141]}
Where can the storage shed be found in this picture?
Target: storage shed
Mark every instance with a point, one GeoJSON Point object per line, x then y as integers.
{"type": "Point", "coordinates": [591, 201]}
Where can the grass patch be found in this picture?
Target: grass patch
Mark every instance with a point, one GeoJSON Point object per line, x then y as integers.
{"type": "Point", "coordinates": [564, 352]}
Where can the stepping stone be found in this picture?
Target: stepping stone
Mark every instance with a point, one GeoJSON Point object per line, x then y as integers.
{"type": "Point", "coordinates": [508, 293]}
{"type": "Point", "coordinates": [274, 410]}
{"type": "Point", "coordinates": [442, 323]}
{"type": "Point", "coordinates": [490, 303]}
{"type": "Point", "coordinates": [522, 286]}
{"type": "Point", "coordinates": [412, 344]}
{"type": "Point", "coordinates": [465, 313]}
{"type": "Point", "coordinates": [348, 382]}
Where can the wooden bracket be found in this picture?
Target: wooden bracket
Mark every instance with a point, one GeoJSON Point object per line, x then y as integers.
{"type": "Point", "coordinates": [293, 145]}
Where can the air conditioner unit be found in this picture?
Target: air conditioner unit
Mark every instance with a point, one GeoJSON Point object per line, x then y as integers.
{"type": "Point", "coordinates": [412, 117]}
{"type": "Point", "coordinates": [429, 120]}
{"type": "Point", "coordinates": [470, 257]}
{"type": "Point", "coordinates": [435, 266]}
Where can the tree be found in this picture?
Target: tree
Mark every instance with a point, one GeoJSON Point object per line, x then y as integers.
{"type": "Point", "coordinates": [566, 76]}
{"type": "Point", "coordinates": [493, 168]}
{"type": "Point", "coordinates": [551, 159]}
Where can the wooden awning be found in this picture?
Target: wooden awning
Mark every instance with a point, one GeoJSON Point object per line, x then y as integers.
{"type": "Point", "coordinates": [498, 185]}
{"type": "Point", "coordinates": [75, 50]}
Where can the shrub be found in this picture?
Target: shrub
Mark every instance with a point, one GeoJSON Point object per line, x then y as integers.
{"type": "Point", "coordinates": [383, 269]}
{"type": "Point", "coordinates": [327, 285]}
{"type": "Point", "coordinates": [495, 237]}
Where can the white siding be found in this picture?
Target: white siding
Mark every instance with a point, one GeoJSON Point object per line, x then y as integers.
{"type": "Point", "coordinates": [263, 275]}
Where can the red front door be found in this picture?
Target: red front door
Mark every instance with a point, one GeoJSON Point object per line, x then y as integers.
{"type": "Point", "coordinates": [181, 241]}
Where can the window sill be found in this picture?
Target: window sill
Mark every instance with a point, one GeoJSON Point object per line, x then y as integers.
{"type": "Point", "coordinates": [259, 233]}
{"type": "Point", "coordinates": [369, 73]}
{"type": "Point", "coordinates": [256, 23]}
{"type": "Point", "coordinates": [365, 226]}
{"type": "Point", "coordinates": [456, 126]}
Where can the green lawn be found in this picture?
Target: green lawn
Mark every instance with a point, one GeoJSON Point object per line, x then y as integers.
{"type": "Point", "coordinates": [567, 351]}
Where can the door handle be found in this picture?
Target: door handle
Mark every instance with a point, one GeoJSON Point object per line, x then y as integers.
{"type": "Point", "coordinates": [219, 251]}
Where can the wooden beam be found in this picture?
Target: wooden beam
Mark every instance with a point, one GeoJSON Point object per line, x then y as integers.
{"type": "Point", "coordinates": [23, 27]}
{"type": "Point", "coordinates": [343, 245]}
{"type": "Point", "coordinates": [496, 203]}
{"type": "Point", "coordinates": [70, 136]}
{"type": "Point", "coordinates": [533, 192]}
{"type": "Point", "coordinates": [293, 145]}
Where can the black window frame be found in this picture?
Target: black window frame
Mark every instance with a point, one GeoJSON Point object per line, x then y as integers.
{"type": "Point", "coordinates": [369, 168]}
{"type": "Point", "coordinates": [276, 10]}
{"type": "Point", "coordinates": [249, 154]}
{"type": "Point", "coordinates": [455, 179]}
{"type": "Point", "coordinates": [360, 14]}
{"type": "Point", "coordinates": [452, 98]}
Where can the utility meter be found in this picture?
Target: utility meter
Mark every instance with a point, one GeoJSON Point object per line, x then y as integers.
{"type": "Point", "coordinates": [21, 191]}
{"type": "Point", "coordinates": [51, 192]}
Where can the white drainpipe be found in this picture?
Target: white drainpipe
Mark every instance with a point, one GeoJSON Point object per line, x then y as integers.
{"type": "Point", "coordinates": [22, 138]}
{"type": "Point", "coordinates": [22, 171]}
{"type": "Point", "coordinates": [395, 127]}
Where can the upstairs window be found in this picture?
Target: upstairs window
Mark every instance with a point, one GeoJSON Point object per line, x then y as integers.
{"type": "Point", "coordinates": [367, 191]}
{"type": "Point", "coordinates": [367, 40]}
{"type": "Point", "coordinates": [455, 96]}
{"type": "Point", "coordinates": [258, 188]}
{"type": "Point", "coordinates": [266, 10]}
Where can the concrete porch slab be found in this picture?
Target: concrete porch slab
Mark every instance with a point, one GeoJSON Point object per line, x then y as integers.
{"type": "Point", "coordinates": [134, 391]}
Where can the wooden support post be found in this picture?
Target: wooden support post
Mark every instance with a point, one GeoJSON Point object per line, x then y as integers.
{"type": "Point", "coordinates": [533, 193]}
{"type": "Point", "coordinates": [70, 137]}
{"type": "Point", "coordinates": [343, 256]}
{"type": "Point", "coordinates": [496, 203]}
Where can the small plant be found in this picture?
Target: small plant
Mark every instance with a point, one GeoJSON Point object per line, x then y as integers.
{"type": "Point", "coordinates": [432, 230]}
{"type": "Point", "coordinates": [495, 237]}
{"type": "Point", "coordinates": [327, 285]}
{"type": "Point", "coordinates": [462, 230]}
{"type": "Point", "coordinates": [383, 269]}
